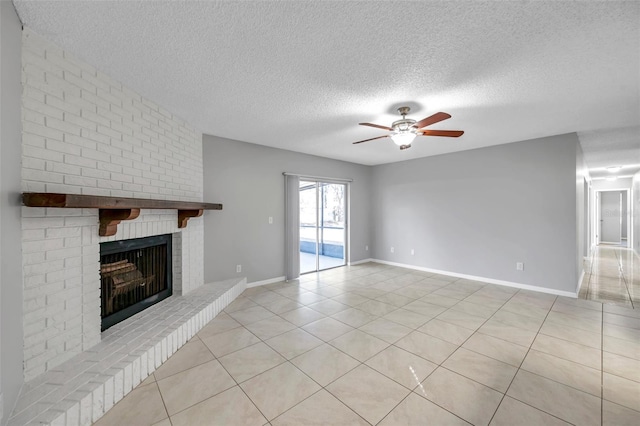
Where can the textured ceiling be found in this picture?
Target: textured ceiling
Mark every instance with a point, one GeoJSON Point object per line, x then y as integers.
{"type": "Point", "coordinates": [301, 75]}
{"type": "Point", "coordinates": [607, 148]}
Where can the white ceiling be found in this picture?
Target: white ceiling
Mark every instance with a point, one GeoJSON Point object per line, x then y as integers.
{"type": "Point", "coordinates": [608, 148]}
{"type": "Point", "coordinates": [302, 75]}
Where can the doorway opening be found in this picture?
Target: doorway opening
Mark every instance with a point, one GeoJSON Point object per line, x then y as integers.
{"type": "Point", "coordinates": [613, 214]}
{"type": "Point", "coordinates": [323, 225]}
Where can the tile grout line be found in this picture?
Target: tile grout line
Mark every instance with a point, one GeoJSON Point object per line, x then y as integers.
{"type": "Point", "coordinates": [616, 258]}
{"type": "Point", "coordinates": [339, 285]}
{"type": "Point", "coordinates": [624, 278]}
{"type": "Point", "coordinates": [362, 363]}
{"type": "Point", "coordinates": [161, 398]}
{"type": "Point", "coordinates": [322, 388]}
{"type": "Point", "coordinates": [194, 366]}
{"type": "Point", "coordinates": [342, 375]}
{"type": "Point", "coordinates": [232, 378]}
{"type": "Point", "coordinates": [602, 369]}
{"type": "Point", "coordinates": [196, 336]}
{"type": "Point", "coordinates": [459, 346]}
{"type": "Point", "coordinates": [573, 362]}
{"type": "Point", "coordinates": [311, 378]}
{"type": "Point", "coordinates": [187, 369]}
{"type": "Point", "coordinates": [412, 391]}
{"type": "Point", "coordinates": [522, 362]}
{"type": "Point", "coordinates": [292, 364]}
{"type": "Point", "coordinates": [590, 277]}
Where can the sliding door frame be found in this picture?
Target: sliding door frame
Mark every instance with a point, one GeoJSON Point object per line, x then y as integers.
{"type": "Point", "coordinates": [289, 255]}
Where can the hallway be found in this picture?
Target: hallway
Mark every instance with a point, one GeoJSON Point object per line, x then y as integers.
{"type": "Point", "coordinates": [613, 277]}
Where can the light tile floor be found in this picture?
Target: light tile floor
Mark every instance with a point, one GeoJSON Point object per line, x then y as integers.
{"type": "Point", "coordinates": [374, 344]}
{"type": "Point", "coordinates": [613, 276]}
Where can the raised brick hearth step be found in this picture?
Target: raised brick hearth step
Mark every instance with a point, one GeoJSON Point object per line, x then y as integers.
{"type": "Point", "coordinates": [82, 389]}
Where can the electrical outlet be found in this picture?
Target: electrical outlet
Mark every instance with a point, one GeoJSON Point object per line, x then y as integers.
{"type": "Point", "coordinates": [413, 252]}
{"type": "Point", "coordinates": [366, 248]}
{"type": "Point", "coordinates": [238, 268]}
{"type": "Point", "coordinates": [270, 220]}
{"type": "Point", "coordinates": [519, 266]}
{"type": "Point", "coordinates": [392, 250]}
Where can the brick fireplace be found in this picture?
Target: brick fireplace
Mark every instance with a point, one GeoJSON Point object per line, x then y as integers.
{"type": "Point", "coordinates": [84, 133]}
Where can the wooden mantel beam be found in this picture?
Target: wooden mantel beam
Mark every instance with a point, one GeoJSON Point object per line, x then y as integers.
{"type": "Point", "coordinates": [113, 210]}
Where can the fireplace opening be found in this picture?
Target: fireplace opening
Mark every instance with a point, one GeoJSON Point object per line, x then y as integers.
{"type": "Point", "coordinates": [134, 274]}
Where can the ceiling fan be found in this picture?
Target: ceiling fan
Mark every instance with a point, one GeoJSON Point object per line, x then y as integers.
{"type": "Point", "coordinates": [405, 130]}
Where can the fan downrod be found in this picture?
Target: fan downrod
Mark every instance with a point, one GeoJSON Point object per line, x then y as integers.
{"type": "Point", "coordinates": [404, 110]}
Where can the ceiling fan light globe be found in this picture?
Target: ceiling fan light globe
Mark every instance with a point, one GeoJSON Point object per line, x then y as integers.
{"type": "Point", "coordinates": [403, 138]}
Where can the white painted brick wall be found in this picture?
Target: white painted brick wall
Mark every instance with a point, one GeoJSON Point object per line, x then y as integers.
{"type": "Point", "coordinates": [85, 133]}
{"type": "Point", "coordinates": [80, 390]}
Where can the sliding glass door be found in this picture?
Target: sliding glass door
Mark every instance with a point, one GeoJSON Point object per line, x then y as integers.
{"type": "Point", "coordinates": [322, 225]}
{"type": "Point", "coordinates": [308, 226]}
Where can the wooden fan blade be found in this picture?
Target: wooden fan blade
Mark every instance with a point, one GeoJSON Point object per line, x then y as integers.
{"type": "Point", "coordinates": [448, 133]}
{"type": "Point", "coordinates": [372, 139]}
{"type": "Point", "coordinates": [376, 126]}
{"type": "Point", "coordinates": [435, 118]}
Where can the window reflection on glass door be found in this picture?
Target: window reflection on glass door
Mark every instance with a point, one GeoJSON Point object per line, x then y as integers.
{"type": "Point", "coordinates": [322, 225]}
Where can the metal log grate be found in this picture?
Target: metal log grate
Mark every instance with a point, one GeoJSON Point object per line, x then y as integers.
{"type": "Point", "coordinates": [134, 275]}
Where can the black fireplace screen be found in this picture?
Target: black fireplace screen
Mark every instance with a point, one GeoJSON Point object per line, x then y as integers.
{"type": "Point", "coordinates": [135, 274]}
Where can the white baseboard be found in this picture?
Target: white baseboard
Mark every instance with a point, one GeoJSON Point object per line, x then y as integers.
{"type": "Point", "coordinates": [358, 262]}
{"type": "Point", "coordinates": [483, 279]}
{"type": "Point", "coordinates": [265, 282]}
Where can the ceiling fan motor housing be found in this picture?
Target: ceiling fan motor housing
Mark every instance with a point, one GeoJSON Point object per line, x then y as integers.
{"type": "Point", "coordinates": [403, 125]}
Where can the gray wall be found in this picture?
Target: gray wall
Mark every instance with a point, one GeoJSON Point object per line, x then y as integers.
{"type": "Point", "coordinates": [586, 229]}
{"type": "Point", "coordinates": [623, 213]}
{"type": "Point", "coordinates": [479, 212]}
{"type": "Point", "coordinates": [1, 381]}
{"type": "Point", "coordinates": [11, 339]}
{"type": "Point", "coordinates": [635, 211]}
{"type": "Point", "coordinates": [581, 214]}
{"type": "Point", "coordinates": [248, 180]}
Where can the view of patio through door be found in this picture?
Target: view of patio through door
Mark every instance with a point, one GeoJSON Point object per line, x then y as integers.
{"type": "Point", "coordinates": [322, 225]}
